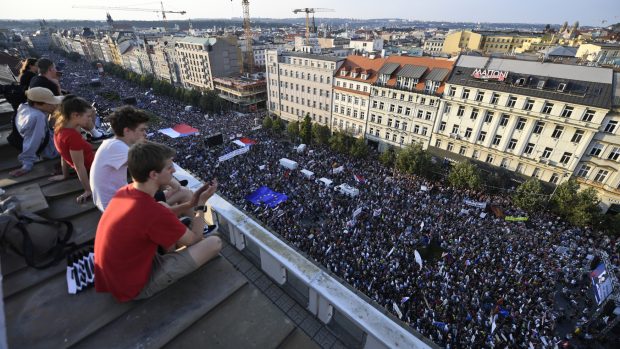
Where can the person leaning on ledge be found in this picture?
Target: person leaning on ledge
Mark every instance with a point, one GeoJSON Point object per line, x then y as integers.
{"type": "Point", "coordinates": [134, 225]}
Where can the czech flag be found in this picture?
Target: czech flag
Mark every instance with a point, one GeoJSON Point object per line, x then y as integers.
{"type": "Point", "coordinates": [180, 130]}
{"type": "Point", "coordinates": [243, 142]}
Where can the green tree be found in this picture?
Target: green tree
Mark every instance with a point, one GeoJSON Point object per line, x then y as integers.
{"type": "Point", "coordinates": [414, 160]}
{"type": "Point", "coordinates": [465, 175]}
{"type": "Point", "coordinates": [577, 207]}
{"type": "Point", "coordinates": [388, 157]}
{"type": "Point", "coordinates": [305, 130]}
{"type": "Point", "coordinates": [267, 123]}
{"type": "Point", "coordinates": [609, 224]}
{"type": "Point", "coordinates": [293, 130]}
{"type": "Point", "coordinates": [359, 149]}
{"type": "Point", "coordinates": [529, 196]}
{"type": "Point", "coordinates": [277, 126]}
{"type": "Point", "coordinates": [341, 142]}
{"type": "Point", "coordinates": [320, 133]}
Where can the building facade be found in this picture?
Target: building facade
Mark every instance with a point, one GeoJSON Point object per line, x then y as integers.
{"type": "Point", "coordinates": [201, 59]}
{"type": "Point", "coordinates": [432, 46]}
{"type": "Point", "coordinates": [405, 99]}
{"type": "Point", "coordinates": [299, 84]}
{"type": "Point", "coordinates": [536, 119]}
{"type": "Point", "coordinates": [352, 86]}
{"type": "Point", "coordinates": [486, 41]}
{"type": "Point", "coordinates": [600, 166]}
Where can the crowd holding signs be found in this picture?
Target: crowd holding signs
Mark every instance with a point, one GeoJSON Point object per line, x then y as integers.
{"type": "Point", "coordinates": [494, 280]}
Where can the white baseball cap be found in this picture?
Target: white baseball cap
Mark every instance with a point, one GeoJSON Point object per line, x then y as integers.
{"type": "Point", "coordinates": [42, 95]}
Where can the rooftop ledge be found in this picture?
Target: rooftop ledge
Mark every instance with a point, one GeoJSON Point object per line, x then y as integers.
{"type": "Point", "coordinates": [325, 292]}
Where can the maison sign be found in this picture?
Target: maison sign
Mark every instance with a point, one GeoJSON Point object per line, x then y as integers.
{"type": "Point", "coordinates": [489, 74]}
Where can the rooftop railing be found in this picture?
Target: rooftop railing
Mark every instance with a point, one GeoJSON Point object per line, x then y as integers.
{"type": "Point", "coordinates": [341, 308]}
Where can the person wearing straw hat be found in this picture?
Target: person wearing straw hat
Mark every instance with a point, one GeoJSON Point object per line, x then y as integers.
{"type": "Point", "coordinates": [31, 122]}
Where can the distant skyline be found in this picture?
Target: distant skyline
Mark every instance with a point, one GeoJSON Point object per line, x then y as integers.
{"type": "Point", "coordinates": [587, 12]}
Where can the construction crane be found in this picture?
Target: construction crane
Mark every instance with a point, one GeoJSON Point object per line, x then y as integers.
{"type": "Point", "coordinates": [162, 11]}
{"type": "Point", "coordinates": [248, 57]}
{"type": "Point", "coordinates": [308, 11]}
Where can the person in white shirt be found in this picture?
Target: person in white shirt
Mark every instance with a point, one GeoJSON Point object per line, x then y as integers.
{"type": "Point", "coordinates": [108, 172]}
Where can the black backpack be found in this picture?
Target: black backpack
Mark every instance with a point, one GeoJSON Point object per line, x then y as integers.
{"type": "Point", "coordinates": [41, 242]}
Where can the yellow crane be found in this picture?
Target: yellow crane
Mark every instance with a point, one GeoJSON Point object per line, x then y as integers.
{"type": "Point", "coordinates": [248, 57]}
{"type": "Point", "coordinates": [162, 11]}
{"type": "Point", "coordinates": [308, 11]}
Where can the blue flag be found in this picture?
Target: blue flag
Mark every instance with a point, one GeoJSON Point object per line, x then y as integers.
{"type": "Point", "coordinates": [266, 196]}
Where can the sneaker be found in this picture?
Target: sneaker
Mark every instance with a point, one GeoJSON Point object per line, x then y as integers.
{"type": "Point", "coordinates": [187, 221]}
{"type": "Point", "coordinates": [211, 230]}
{"type": "Point", "coordinates": [104, 135]}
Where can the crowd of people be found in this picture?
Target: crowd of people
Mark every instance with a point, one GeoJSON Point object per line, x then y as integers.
{"type": "Point", "coordinates": [482, 281]}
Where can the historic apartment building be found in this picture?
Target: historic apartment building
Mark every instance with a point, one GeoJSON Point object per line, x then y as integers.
{"type": "Point", "coordinates": [352, 85]}
{"type": "Point", "coordinates": [599, 167]}
{"type": "Point", "coordinates": [300, 84]}
{"type": "Point", "coordinates": [486, 41]}
{"type": "Point", "coordinates": [536, 119]}
{"type": "Point", "coordinates": [405, 99]}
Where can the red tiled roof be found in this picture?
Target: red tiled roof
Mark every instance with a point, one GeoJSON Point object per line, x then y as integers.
{"type": "Point", "coordinates": [372, 66]}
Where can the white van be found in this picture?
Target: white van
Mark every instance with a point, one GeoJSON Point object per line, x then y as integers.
{"type": "Point", "coordinates": [307, 174]}
{"type": "Point", "coordinates": [347, 190]}
{"type": "Point", "coordinates": [324, 181]}
{"type": "Point", "coordinates": [287, 163]}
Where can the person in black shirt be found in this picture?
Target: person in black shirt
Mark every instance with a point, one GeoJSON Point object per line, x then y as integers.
{"type": "Point", "coordinates": [28, 70]}
{"type": "Point", "coordinates": [47, 77]}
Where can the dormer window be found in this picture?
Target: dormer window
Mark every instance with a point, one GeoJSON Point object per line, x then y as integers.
{"type": "Point", "coordinates": [541, 84]}
{"type": "Point", "coordinates": [353, 74]}
{"type": "Point", "coordinates": [364, 76]}
{"type": "Point", "coordinates": [561, 87]}
{"type": "Point", "coordinates": [520, 82]}
{"type": "Point", "coordinates": [343, 72]}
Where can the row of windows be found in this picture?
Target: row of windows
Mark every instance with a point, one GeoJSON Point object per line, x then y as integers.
{"type": "Point", "coordinates": [350, 99]}
{"type": "Point", "coordinates": [351, 86]}
{"type": "Point", "coordinates": [504, 162]}
{"type": "Point", "coordinates": [348, 112]}
{"type": "Point", "coordinates": [311, 63]}
{"type": "Point", "coordinates": [306, 76]}
{"type": "Point", "coordinates": [401, 96]}
{"type": "Point", "coordinates": [527, 105]}
{"type": "Point", "coordinates": [307, 102]}
{"type": "Point", "coordinates": [304, 89]}
{"type": "Point", "coordinates": [505, 118]}
{"type": "Point", "coordinates": [610, 126]}
{"type": "Point", "coordinates": [584, 172]}
{"type": "Point", "coordinates": [598, 150]}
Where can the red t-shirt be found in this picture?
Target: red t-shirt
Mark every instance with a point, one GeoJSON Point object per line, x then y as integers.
{"type": "Point", "coordinates": [131, 228]}
{"type": "Point", "coordinates": [68, 139]}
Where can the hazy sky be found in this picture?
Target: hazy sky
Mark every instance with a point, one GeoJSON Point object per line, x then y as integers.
{"type": "Point", "coordinates": [587, 12]}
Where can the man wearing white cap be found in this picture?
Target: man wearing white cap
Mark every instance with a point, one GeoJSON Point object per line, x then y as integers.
{"type": "Point", "coordinates": [32, 125]}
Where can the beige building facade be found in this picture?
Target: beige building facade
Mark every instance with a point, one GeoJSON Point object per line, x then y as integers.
{"type": "Point", "coordinates": [405, 99]}
{"type": "Point", "coordinates": [487, 42]}
{"type": "Point", "coordinates": [536, 119]}
{"type": "Point", "coordinates": [299, 84]}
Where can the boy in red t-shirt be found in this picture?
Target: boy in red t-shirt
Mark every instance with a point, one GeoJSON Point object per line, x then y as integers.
{"type": "Point", "coordinates": [133, 225]}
